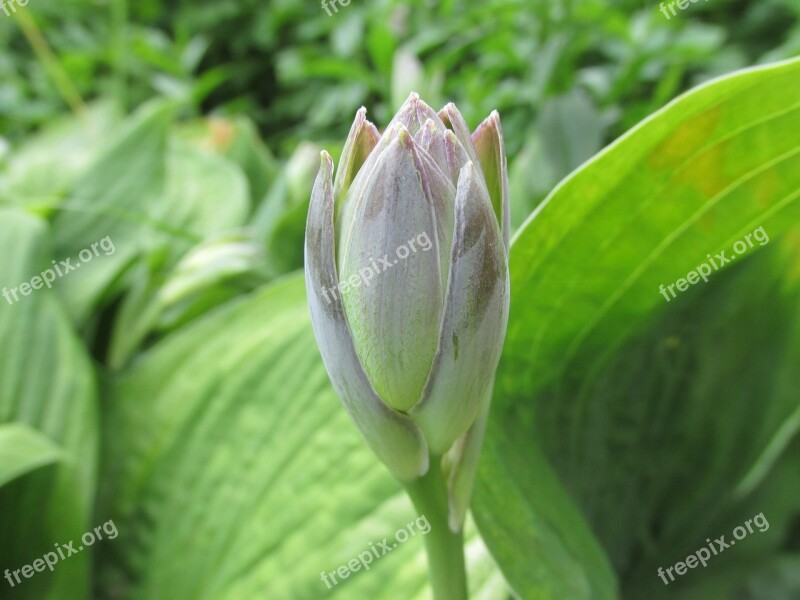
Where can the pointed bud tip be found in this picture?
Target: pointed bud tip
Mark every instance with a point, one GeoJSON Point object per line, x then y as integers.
{"type": "Point", "coordinates": [404, 137]}
{"type": "Point", "coordinates": [468, 171]}
{"type": "Point", "coordinates": [430, 125]}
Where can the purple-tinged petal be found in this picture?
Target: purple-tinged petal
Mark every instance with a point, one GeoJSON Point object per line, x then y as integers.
{"type": "Point", "coordinates": [474, 321]}
{"type": "Point", "coordinates": [488, 141]}
{"type": "Point", "coordinates": [393, 436]}
{"type": "Point", "coordinates": [431, 139]}
{"type": "Point", "coordinates": [397, 240]}
{"type": "Point", "coordinates": [454, 121]}
{"type": "Point", "coordinates": [414, 113]}
{"type": "Point", "coordinates": [444, 148]}
{"type": "Point", "coordinates": [456, 155]}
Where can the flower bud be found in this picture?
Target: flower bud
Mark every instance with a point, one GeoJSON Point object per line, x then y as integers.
{"type": "Point", "coordinates": [407, 277]}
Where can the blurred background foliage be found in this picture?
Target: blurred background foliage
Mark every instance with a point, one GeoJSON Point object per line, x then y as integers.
{"type": "Point", "coordinates": [567, 76]}
{"type": "Point", "coordinates": [190, 133]}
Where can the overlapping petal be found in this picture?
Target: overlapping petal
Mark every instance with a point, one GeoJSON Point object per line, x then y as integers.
{"type": "Point", "coordinates": [394, 437]}
{"type": "Point", "coordinates": [475, 316]}
{"type": "Point", "coordinates": [414, 113]}
{"type": "Point", "coordinates": [488, 141]}
{"type": "Point", "coordinates": [360, 143]}
{"type": "Point", "coordinates": [394, 294]}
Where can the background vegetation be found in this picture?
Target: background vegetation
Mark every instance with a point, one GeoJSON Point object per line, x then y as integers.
{"type": "Point", "coordinates": [174, 387]}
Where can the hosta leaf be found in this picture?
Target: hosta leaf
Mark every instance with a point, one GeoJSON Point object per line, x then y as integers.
{"type": "Point", "coordinates": [657, 442]}
{"type": "Point", "coordinates": [114, 199]}
{"type": "Point", "coordinates": [46, 385]}
{"type": "Point", "coordinates": [281, 219]}
{"type": "Point", "coordinates": [571, 130]}
{"type": "Point", "coordinates": [206, 193]}
{"type": "Point", "coordinates": [235, 472]}
{"type": "Point", "coordinates": [149, 197]}
{"type": "Point", "coordinates": [22, 450]}
{"type": "Point", "coordinates": [238, 140]}
{"type": "Point", "coordinates": [765, 565]}
{"type": "Point", "coordinates": [62, 151]}
{"type": "Point", "coordinates": [689, 181]}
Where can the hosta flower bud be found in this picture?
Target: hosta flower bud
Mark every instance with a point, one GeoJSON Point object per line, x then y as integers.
{"type": "Point", "coordinates": [407, 276]}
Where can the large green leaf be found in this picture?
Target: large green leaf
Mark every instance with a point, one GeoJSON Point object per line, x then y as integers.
{"type": "Point", "coordinates": [235, 473]}
{"type": "Point", "coordinates": [43, 168]}
{"type": "Point", "coordinates": [115, 199]}
{"type": "Point", "coordinates": [153, 198]}
{"type": "Point", "coordinates": [762, 566]}
{"type": "Point", "coordinates": [23, 450]}
{"type": "Point", "coordinates": [46, 384]}
{"type": "Point", "coordinates": [689, 181]}
{"type": "Point", "coordinates": [658, 441]}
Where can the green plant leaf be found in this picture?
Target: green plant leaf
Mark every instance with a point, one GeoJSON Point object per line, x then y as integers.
{"type": "Point", "coordinates": [63, 150]}
{"type": "Point", "coordinates": [205, 193]}
{"type": "Point", "coordinates": [571, 130]}
{"type": "Point", "coordinates": [764, 566]}
{"type": "Point", "coordinates": [46, 386]}
{"type": "Point", "coordinates": [23, 450]}
{"type": "Point", "coordinates": [280, 221]}
{"type": "Point", "coordinates": [689, 181]}
{"type": "Point", "coordinates": [235, 472]}
{"type": "Point", "coordinates": [115, 198]}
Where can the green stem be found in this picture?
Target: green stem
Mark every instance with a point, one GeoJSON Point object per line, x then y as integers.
{"type": "Point", "coordinates": [445, 548]}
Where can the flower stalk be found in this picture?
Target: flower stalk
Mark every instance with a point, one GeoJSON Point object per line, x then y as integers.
{"type": "Point", "coordinates": [445, 548]}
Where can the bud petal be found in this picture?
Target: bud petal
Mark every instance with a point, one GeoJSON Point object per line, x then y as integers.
{"type": "Point", "coordinates": [394, 303]}
{"type": "Point", "coordinates": [392, 436]}
{"type": "Point", "coordinates": [451, 117]}
{"type": "Point", "coordinates": [431, 139]}
{"type": "Point", "coordinates": [444, 149]}
{"type": "Point", "coordinates": [362, 140]}
{"type": "Point", "coordinates": [488, 140]}
{"type": "Point", "coordinates": [474, 320]}
{"type": "Point", "coordinates": [414, 113]}
{"type": "Point", "coordinates": [463, 463]}
{"type": "Point", "coordinates": [344, 205]}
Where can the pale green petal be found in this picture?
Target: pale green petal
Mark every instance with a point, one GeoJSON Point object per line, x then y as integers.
{"type": "Point", "coordinates": [488, 140]}
{"type": "Point", "coordinates": [463, 463]}
{"type": "Point", "coordinates": [399, 239]}
{"type": "Point", "coordinates": [474, 323]}
{"type": "Point", "coordinates": [453, 120]}
{"type": "Point", "coordinates": [362, 140]}
{"type": "Point", "coordinates": [392, 436]}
